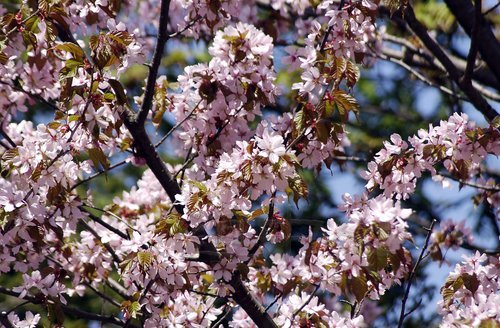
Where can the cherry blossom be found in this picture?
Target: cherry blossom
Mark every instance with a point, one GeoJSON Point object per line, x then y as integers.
{"type": "Point", "coordinates": [186, 236]}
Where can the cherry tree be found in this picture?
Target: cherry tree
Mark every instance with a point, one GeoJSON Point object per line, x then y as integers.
{"type": "Point", "coordinates": [226, 151]}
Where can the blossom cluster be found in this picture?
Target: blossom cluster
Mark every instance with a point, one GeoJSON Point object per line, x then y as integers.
{"type": "Point", "coordinates": [219, 100]}
{"type": "Point", "coordinates": [456, 144]}
{"type": "Point", "coordinates": [450, 235]}
{"type": "Point", "coordinates": [470, 294]}
{"type": "Point", "coordinates": [240, 164]}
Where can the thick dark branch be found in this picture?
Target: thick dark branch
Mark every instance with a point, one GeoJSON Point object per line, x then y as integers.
{"type": "Point", "coordinates": [474, 96]}
{"type": "Point", "coordinates": [488, 45]}
{"type": "Point", "coordinates": [147, 102]}
{"type": "Point", "coordinates": [471, 57]}
{"type": "Point", "coordinates": [403, 314]}
{"type": "Point", "coordinates": [248, 303]}
{"type": "Point", "coordinates": [146, 150]}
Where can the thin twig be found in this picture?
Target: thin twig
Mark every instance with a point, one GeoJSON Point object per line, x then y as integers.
{"type": "Point", "coordinates": [175, 127]}
{"type": "Point", "coordinates": [102, 295]}
{"type": "Point", "coordinates": [305, 303]}
{"type": "Point", "coordinates": [221, 319]}
{"type": "Point", "coordinates": [420, 76]}
{"type": "Point", "coordinates": [113, 215]}
{"type": "Point", "coordinates": [471, 57]}
{"type": "Point", "coordinates": [98, 173]}
{"type": "Point", "coordinates": [472, 184]}
{"type": "Point", "coordinates": [491, 9]}
{"type": "Point", "coordinates": [416, 306]}
{"type": "Point", "coordinates": [412, 274]}
{"type": "Point", "coordinates": [330, 28]}
{"type": "Point", "coordinates": [263, 232]}
{"type": "Point", "coordinates": [493, 252]}
{"type": "Point", "coordinates": [36, 97]}
{"type": "Point", "coordinates": [107, 225]}
{"type": "Point", "coordinates": [7, 137]}
{"type": "Point", "coordinates": [466, 86]}
{"type": "Point", "coordinates": [274, 301]}
{"type": "Point", "coordinates": [67, 309]}
{"type": "Point", "coordinates": [203, 293]}
{"type": "Point", "coordinates": [110, 249]}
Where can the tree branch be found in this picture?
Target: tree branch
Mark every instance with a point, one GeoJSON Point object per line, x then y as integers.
{"type": "Point", "coordinates": [492, 252]}
{"type": "Point", "coordinates": [412, 274]}
{"type": "Point", "coordinates": [305, 303]}
{"type": "Point", "coordinates": [106, 225]}
{"type": "Point", "coordinates": [474, 96]}
{"type": "Point", "coordinates": [248, 303]}
{"type": "Point", "coordinates": [471, 57]}
{"type": "Point", "coordinates": [163, 36]}
{"type": "Point", "coordinates": [263, 232]}
{"type": "Point", "coordinates": [74, 312]}
{"type": "Point", "coordinates": [488, 45]}
{"type": "Point", "coordinates": [147, 150]}
{"type": "Point", "coordinates": [417, 58]}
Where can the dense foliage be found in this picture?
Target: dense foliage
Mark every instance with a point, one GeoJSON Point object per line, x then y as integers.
{"type": "Point", "coordinates": [227, 115]}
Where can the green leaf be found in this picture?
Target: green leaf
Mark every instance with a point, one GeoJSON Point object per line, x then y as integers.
{"type": "Point", "coordinates": [299, 188]}
{"type": "Point", "coordinates": [394, 5]}
{"type": "Point", "coordinates": [145, 258]}
{"type": "Point", "coordinates": [32, 23]}
{"type": "Point", "coordinates": [123, 38]}
{"type": "Point", "coordinates": [258, 212]}
{"type": "Point", "coordinates": [73, 49]}
{"type": "Point", "coordinates": [10, 154]}
{"type": "Point", "coordinates": [298, 120]}
{"type": "Point", "coordinates": [323, 130]}
{"type": "Point", "coordinates": [73, 63]}
{"type": "Point", "coordinates": [382, 230]}
{"type": "Point", "coordinates": [340, 67]}
{"type": "Point", "coordinates": [121, 97]}
{"type": "Point", "coordinates": [358, 287]}
{"type": "Point", "coordinates": [377, 258]}
{"type": "Point", "coordinates": [345, 104]}
{"type": "Point", "coordinates": [496, 122]}
{"type": "Point", "coordinates": [134, 308]}
{"type": "Point", "coordinates": [29, 38]}
{"type": "Point", "coordinates": [489, 323]}
{"type": "Point", "coordinates": [98, 158]}
{"type": "Point", "coordinates": [470, 282]}
{"type": "Point", "coordinates": [37, 172]}
{"type": "Point", "coordinates": [198, 185]}
{"type": "Point", "coordinates": [3, 58]}
{"type": "Point", "coordinates": [329, 108]}
{"type": "Point", "coordinates": [352, 73]}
